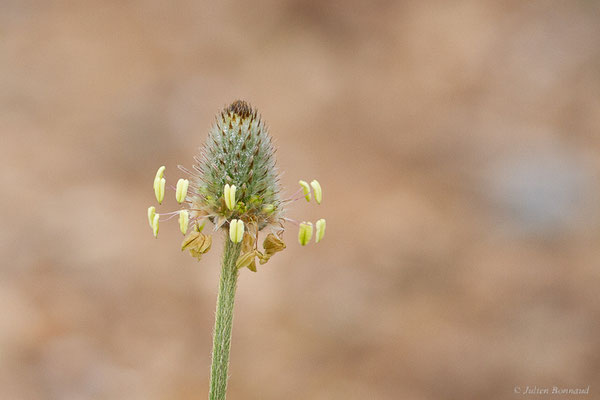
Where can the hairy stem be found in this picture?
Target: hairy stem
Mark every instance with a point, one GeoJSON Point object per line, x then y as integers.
{"type": "Point", "coordinates": [224, 321]}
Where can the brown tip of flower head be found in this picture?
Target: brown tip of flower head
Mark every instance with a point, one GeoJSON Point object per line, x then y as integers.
{"type": "Point", "coordinates": [240, 108]}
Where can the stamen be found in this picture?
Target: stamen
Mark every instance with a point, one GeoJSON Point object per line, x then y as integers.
{"type": "Point", "coordinates": [172, 212]}
{"type": "Point", "coordinates": [305, 233]}
{"type": "Point", "coordinates": [317, 190]}
{"type": "Point", "coordinates": [160, 173]}
{"type": "Point", "coordinates": [290, 220]}
{"type": "Point", "coordinates": [229, 196]}
{"type": "Point", "coordinates": [159, 189]}
{"type": "Point", "coordinates": [305, 189]}
{"type": "Point", "coordinates": [155, 225]}
{"type": "Point", "coordinates": [184, 219]}
{"type": "Point", "coordinates": [236, 230]}
{"type": "Point", "coordinates": [151, 213]}
{"type": "Point", "coordinates": [320, 230]}
{"type": "Point", "coordinates": [159, 184]}
{"type": "Point", "coordinates": [294, 196]}
{"type": "Point", "coordinates": [181, 191]}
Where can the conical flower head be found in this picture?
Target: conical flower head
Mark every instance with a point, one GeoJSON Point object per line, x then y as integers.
{"type": "Point", "coordinates": [238, 177]}
{"type": "Point", "coordinates": [235, 185]}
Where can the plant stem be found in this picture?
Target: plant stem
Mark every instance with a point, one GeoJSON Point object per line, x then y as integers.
{"type": "Point", "coordinates": [224, 321]}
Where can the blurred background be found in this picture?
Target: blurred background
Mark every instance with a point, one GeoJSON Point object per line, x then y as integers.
{"type": "Point", "coordinates": [458, 146]}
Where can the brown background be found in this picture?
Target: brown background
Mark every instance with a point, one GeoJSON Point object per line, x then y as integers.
{"type": "Point", "coordinates": [458, 147]}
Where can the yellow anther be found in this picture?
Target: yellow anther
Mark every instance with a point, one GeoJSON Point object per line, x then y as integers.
{"type": "Point", "coordinates": [229, 196]}
{"type": "Point", "coordinates": [236, 230]}
{"type": "Point", "coordinates": [320, 230]}
{"type": "Point", "coordinates": [305, 189]}
{"type": "Point", "coordinates": [155, 225]}
{"type": "Point", "coordinates": [159, 189]}
{"type": "Point", "coordinates": [182, 189]}
{"type": "Point", "coordinates": [159, 174]}
{"type": "Point", "coordinates": [305, 233]}
{"type": "Point", "coordinates": [317, 189]}
{"type": "Point", "coordinates": [184, 220]}
{"type": "Point", "coordinates": [158, 179]}
{"type": "Point", "coordinates": [232, 201]}
{"type": "Point", "coordinates": [268, 208]}
{"type": "Point", "coordinates": [151, 212]}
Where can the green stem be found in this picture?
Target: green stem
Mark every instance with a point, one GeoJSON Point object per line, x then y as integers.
{"type": "Point", "coordinates": [224, 321]}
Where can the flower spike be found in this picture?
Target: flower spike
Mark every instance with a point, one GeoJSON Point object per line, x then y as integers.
{"type": "Point", "coordinates": [155, 225]}
{"type": "Point", "coordinates": [317, 189]}
{"type": "Point", "coordinates": [182, 189]}
{"type": "Point", "coordinates": [184, 220]}
{"type": "Point", "coordinates": [151, 213]}
{"type": "Point", "coordinates": [235, 186]}
{"type": "Point", "coordinates": [305, 233]}
{"type": "Point", "coordinates": [236, 230]}
{"type": "Point", "coordinates": [305, 189]}
{"type": "Point", "coordinates": [239, 150]}
{"type": "Point", "coordinates": [229, 196]}
{"type": "Point", "coordinates": [320, 230]}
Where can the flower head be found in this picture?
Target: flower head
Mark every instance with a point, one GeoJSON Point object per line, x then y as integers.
{"type": "Point", "coordinates": [235, 185]}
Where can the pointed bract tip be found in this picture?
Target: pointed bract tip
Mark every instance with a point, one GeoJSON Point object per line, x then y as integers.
{"type": "Point", "coordinates": [241, 108]}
